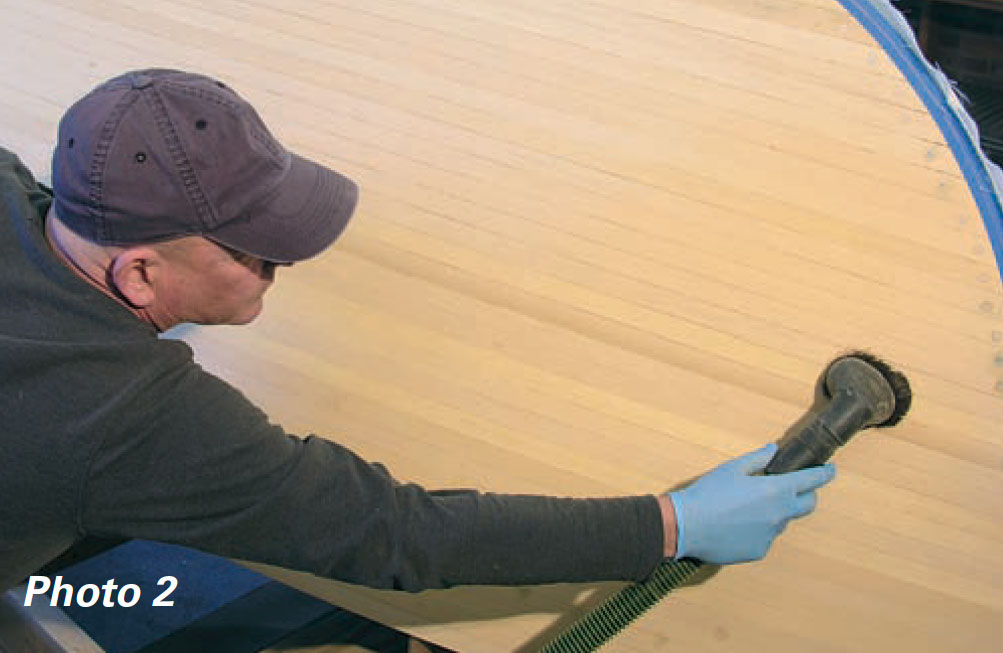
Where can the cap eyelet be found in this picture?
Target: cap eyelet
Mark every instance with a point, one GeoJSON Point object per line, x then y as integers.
{"type": "Point", "coordinates": [140, 157]}
{"type": "Point", "coordinates": [70, 144]}
{"type": "Point", "coordinates": [201, 124]}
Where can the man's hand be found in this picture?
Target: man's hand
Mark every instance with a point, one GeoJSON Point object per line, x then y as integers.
{"type": "Point", "coordinates": [729, 515]}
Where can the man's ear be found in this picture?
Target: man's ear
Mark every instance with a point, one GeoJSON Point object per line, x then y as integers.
{"type": "Point", "coordinates": [134, 274]}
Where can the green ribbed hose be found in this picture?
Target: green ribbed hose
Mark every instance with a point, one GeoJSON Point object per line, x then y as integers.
{"type": "Point", "coordinates": [864, 392]}
{"type": "Point", "coordinates": [620, 610]}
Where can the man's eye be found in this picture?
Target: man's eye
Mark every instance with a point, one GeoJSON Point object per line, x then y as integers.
{"type": "Point", "coordinates": [240, 257]}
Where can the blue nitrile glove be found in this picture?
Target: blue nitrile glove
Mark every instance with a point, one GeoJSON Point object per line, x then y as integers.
{"type": "Point", "coordinates": [729, 516]}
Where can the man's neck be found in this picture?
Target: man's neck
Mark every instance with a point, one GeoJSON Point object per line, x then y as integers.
{"type": "Point", "coordinates": [70, 249]}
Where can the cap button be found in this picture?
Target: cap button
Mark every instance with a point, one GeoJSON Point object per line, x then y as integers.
{"type": "Point", "coordinates": [141, 80]}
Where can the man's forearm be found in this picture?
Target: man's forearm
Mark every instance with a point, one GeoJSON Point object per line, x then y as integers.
{"type": "Point", "coordinates": [668, 524]}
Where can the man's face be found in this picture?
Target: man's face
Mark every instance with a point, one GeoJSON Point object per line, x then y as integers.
{"type": "Point", "coordinates": [207, 283]}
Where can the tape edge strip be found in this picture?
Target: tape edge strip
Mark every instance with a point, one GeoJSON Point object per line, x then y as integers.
{"type": "Point", "coordinates": [984, 178]}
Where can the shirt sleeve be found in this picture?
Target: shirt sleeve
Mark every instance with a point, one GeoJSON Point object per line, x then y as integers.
{"type": "Point", "coordinates": [201, 466]}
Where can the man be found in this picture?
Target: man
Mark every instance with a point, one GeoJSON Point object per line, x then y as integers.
{"type": "Point", "coordinates": [172, 203]}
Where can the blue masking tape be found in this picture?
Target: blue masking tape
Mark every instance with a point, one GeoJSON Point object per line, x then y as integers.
{"type": "Point", "coordinates": [901, 46]}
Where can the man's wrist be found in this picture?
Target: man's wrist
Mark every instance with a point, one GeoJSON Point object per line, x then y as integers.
{"type": "Point", "coordinates": [668, 524]}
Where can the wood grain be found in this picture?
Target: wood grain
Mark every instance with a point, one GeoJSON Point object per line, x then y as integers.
{"type": "Point", "coordinates": [601, 248]}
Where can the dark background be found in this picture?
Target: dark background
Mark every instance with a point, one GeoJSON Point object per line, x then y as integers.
{"type": "Point", "coordinates": [965, 38]}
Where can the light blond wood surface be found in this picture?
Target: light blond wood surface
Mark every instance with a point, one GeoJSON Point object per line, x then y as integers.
{"type": "Point", "coordinates": [599, 250]}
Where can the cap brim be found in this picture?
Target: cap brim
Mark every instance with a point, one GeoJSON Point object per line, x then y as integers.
{"type": "Point", "coordinates": [305, 213]}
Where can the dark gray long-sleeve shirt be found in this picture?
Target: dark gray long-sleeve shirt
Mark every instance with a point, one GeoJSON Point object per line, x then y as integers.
{"type": "Point", "coordinates": [108, 430]}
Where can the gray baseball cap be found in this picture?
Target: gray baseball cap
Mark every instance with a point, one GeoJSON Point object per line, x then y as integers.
{"type": "Point", "coordinates": [158, 154]}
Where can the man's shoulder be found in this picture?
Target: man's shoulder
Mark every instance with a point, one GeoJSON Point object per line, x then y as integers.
{"type": "Point", "coordinates": [14, 172]}
{"type": "Point", "coordinates": [6, 156]}
{"type": "Point", "coordinates": [9, 160]}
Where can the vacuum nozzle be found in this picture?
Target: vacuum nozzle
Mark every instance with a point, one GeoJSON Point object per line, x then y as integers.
{"type": "Point", "coordinates": [863, 392]}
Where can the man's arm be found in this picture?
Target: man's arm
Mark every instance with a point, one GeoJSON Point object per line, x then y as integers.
{"type": "Point", "coordinates": [668, 525]}
{"type": "Point", "coordinates": [202, 467]}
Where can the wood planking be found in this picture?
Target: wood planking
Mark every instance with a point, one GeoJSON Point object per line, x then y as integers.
{"type": "Point", "coordinates": [721, 121]}
{"type": "Point", "coordinates": [586, 264]}
{"type": "Point", "coordinates": [823, 17]}
{"type": "Point", "coordinates": [546, 52]}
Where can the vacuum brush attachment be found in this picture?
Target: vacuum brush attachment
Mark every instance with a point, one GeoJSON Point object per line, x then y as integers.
{"type": "Point", "coordinates": [864, 392]}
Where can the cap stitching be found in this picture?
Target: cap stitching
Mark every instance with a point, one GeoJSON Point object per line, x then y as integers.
{"type": "Point", "coordinates": [270, 144]}
{"type": "Point", "coordinates": [202, 94]}
{"type": "Point", "coordinates": [260, 132]}
{"type": "Point", "coordinates": [240, 106]}
{"type": "Point", "coordinates": [189, 179]}
{"type": "Point", "coordinates": [99, 162]}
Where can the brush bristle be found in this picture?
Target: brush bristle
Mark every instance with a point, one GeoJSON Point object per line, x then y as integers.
{"type": "Point", "coordinates": [897, 381]}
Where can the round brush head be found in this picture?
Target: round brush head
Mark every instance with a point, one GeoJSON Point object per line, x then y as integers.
{"type": "Point", "coordinates": [863, 373]}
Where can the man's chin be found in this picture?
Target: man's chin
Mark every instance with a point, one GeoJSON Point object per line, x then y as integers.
{"type": "Point", "coordinates": [247, 316]}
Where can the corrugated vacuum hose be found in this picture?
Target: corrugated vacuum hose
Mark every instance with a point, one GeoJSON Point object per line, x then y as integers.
{"type": "Point", "coordinates": [862, 392]}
